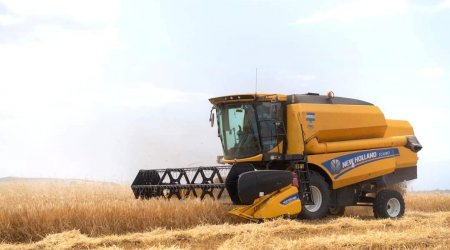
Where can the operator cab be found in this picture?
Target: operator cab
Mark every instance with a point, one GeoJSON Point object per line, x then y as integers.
{"type": "Point", "coordinates": [250, 126]}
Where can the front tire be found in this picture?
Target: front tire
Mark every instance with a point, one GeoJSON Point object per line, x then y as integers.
{"type": "Point", "coordinates": [389, 204]}
{"type": "Point", "coordinates": [321, 196]}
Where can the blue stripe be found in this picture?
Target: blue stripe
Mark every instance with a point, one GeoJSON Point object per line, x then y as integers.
{"type": "Point", "coordinates": [364, 163]}
{"type": "Point", "coordinates": [290, 199]}
{"type": "Point", "coordinates": [340, 165]}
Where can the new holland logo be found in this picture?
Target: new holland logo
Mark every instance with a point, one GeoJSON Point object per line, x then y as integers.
{"type": "Point", "coordinates": [340, 165]}
{"type": "Point", "coordinates": [335, 166]}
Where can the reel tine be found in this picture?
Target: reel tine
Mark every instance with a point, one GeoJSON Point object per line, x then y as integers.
{"type": "Point", "coordinates": [180, 182]}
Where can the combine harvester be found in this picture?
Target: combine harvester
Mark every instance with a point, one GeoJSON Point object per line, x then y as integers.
{"type": "Point", "coordinates": [302, 155]}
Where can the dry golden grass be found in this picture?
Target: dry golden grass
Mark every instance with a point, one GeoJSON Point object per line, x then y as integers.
{"type": "Point", "coordinates": [31, 210]}
{"type": "Point", "coordinates": [89, 215]}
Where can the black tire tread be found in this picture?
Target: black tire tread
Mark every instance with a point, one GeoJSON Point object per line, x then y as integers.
{"type": "Point", "coordinates": [318, 181]}
{"type": "Point", "coordinates": [380, 203]}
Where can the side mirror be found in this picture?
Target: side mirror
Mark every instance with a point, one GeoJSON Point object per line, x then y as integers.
{"type": "Point", "coordinates": [211, 117]}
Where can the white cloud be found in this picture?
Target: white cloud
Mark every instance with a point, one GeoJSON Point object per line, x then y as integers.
{"type": "Point", "coordinates": [360, 10]}
{"type": "Point", "coordinates": [149, 95]}
{"type": "Point", "coordinates": [306, 77]}
{"type": "Point", "coordinates": [57, 67]}
{"type": "Point", "coordinates": [8, 20]}
{"type": "Point", "coordinates": [60, 115]}
{"type": "Point", "coordinates": [51, 66]}
{"type": "Point", "coordinates": [80, 10]}
{"type": "Point", "coordinates": [442, 5]}
{"type": "Point", "coordinates": [431, 72]}
{"type": "Point", "coordinates": [50, 73]}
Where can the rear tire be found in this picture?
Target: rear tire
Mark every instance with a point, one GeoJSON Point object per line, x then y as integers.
{"type": "Point", "coordinates": [389, 204]}
{"type": "Point", "coordinates": [321, 196]}
{"type": "Point", "coordinates": [336, 211]}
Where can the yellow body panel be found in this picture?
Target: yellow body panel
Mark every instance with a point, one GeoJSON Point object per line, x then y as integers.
{"type": "Point", "coordinates": [294, 134]}
{"type": "Point", "coordinates": [397, 127]}
{"type": "Point", "coordinates": [346, 168]}
{"type": "Point", "coordinates": [277, 149]}
{"type": "Point", "coordinates": [332, 122]}
{"type": "Point", "coordinates": [407, 158]}
{"type": "Point", "coordinates": [249, 159]}
{"type": "Point", "coordinates": [314, 147]}
{"type": "Point", "coordinates": [343, 133]}
{"type": "Point", "coordinates": [285, 201]}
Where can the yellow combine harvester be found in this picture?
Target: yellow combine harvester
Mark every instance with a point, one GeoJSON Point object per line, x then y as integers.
{"type": "Point", "coordinates": [298, 155]}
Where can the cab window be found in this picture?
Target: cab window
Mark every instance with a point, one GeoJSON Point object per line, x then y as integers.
{"type": "Point", "coordinates": [269, 113]}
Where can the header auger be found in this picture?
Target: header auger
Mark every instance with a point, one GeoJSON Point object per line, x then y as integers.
{"type": "Point", "coordinates": [297, 155]}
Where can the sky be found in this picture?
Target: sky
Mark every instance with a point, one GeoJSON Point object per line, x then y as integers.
{"type": "Point", "coordinates": [100, 89]}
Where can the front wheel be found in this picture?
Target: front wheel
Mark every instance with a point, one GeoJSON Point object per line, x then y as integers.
{"type": "Point", "coordinates": [388, 204]}
{"type": "Point", "coordinates": [321, 195]}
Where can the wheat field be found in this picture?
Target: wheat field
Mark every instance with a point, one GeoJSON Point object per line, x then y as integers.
{"type": "Point", "coordinates": [43, 214]}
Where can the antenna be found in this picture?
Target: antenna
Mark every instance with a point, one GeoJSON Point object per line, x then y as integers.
{"type": "Point", "coordinates": [256, 81]}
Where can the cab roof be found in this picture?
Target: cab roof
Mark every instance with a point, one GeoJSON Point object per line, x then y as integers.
{"type": "Point", "coordinates": [247, 97]}
{"type": "Point", "coordinates": [313, 98]}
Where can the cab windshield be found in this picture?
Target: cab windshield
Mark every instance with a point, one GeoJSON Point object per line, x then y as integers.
{"type": "Point", "coordinates": [238, 130]}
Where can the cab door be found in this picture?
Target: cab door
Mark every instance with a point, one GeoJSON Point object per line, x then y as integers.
{"type": "Point", "coordinates": [271, 126]}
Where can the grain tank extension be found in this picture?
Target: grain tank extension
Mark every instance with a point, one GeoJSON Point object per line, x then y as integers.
{"type": "Point", "coordinates": [304, 155]}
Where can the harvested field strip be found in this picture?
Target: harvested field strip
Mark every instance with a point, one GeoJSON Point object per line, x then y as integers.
{"type": "Point", "coordinates": [32, 210]}
{"type": "Point", "coordinates": [418, 230]}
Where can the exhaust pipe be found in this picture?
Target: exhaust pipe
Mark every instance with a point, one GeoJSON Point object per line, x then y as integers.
{"type": "Point", "coordinates": [413, 144]}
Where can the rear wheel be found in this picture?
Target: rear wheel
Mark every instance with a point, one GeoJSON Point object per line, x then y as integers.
{"type": "Point", "coordinates": [388, 204]}
{"type": "Point", "coordinates": [321, 195]}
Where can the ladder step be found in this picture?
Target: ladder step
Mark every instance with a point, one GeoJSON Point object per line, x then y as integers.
{"type": "Point", "coordinates": [304, 183]}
